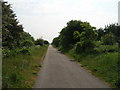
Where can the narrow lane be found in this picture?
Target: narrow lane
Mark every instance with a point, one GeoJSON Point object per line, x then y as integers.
{"type": "Point", "coordinates": [58, 71]}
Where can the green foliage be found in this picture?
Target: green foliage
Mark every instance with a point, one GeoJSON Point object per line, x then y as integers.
{"type": "Point", "coordinates": [85, 46]}
{"type": "Point", "coordinates": [15, 77]}
{"type": "Point", "coordinates": [17, 71]}
{"type": "Point", "coordinates": [11, 28]}
{"type": "Point", "coordinates": [46, 42]}
{"type": "Point", "coordinates": [56, 42]}
{"type": "Point", "coordinates": [79, 48]}
{"type": "Point", "coordinates": [66, 35]}
{"type": "Point", "coordinates": [83, 35]}
{"type": "Point", "coordinates": [14, 39]}
{"type": "Point", "coordinates": [108, 39]}
{"type": "Point", "coordinates": [77, 34]}
{"type": "Point", "coordinates": [12, 32]}
{"type": "Point", "coordinates": [101, 33]}
{"type": "Point", "coordinates": [20, 56]}
{"type": "Point", "coordinates": [24, 51]}
{"type": "Point", "coordinates": [88, 46]}
{"type": "Point", "coordinates": [12, 53]}
{"type": "Point", "coordinates": [9, 53]}
{"type": "Point", "coordinates": [26, 36]}
{"type": "Point", "coordinates": [39, 42]}
{"type": "Point", "coordinates": [107, 48]}
{"type": "Point", "coordinates": [103, 65]}
{"type": "Point", "coordinates": [26, 43]}
{"type": "Point", "coordinates": [75, 31]}
{"type": "Point", "coordinates": [95, 49]}
{"type": "Point", "coordinates": [110, 29]}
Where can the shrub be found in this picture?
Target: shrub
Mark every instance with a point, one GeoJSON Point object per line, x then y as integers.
{"type": "Point", "coordinates": [24, 52]}
{"type": "Point", "coordinates": [16, 77]}
{"type": "Point", "coordinates": [107, 48]}
{"type": "Point", "coordinates": [88, 46]}
{"type": "Point", "coordinates": [84, 46]}
{"type": "Point", "coordinates": [56, 42]}
{"type": "Point", "coordinates": [26, 43]}
{"type": "Point", "coordinates": [78, 48]}
{"type": "Point", "coordinates": [117, 83]}
{"type": "Point", "coordinates": [108, 39]}
{"type": "Point", "coordinates": [39, 42]}
{"type": "Point", "coordinates": [46, 42]}
{"type": "Point", "coordinates": [8, 53]}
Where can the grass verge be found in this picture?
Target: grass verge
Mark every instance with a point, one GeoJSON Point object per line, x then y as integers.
{"type": "Point", "coordinates": [20, 71]}
{"type": "Point", "coordinates": [103, 65]}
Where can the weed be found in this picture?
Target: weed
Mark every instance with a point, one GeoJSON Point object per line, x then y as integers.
{"type": "Point", "coordinates": [102, 64]}
{"type": "Point", "coordinates": [18, 69]}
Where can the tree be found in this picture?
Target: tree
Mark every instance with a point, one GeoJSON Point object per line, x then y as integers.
{"type": "Point", "coordinates": [56, 42]}
{"type": "Point", "coordinates": [39, 42]}
{"type": "Point", "coordinates": [11, 28]}
{"type": "Point", "coordinates": [76, 36]}
{"type": "Point", "coordinates": [76, 31]}
{"type": "Point", "coordinates": [114, 29]}
{"type": "Point", "coordinates": [66, 35]}
{"type": "Point", "coordinates": [110, 29]}
{"type": "Point", "coordinates": [46, 42]}
{"type": "Point", "coordinates": [108, 39]}
{"type": "Point", "coordinates": [101, 33]}
{"type": "Point", "coordinates": [27, 43]}
{"type": "Point", "coordinates": [26, 36]}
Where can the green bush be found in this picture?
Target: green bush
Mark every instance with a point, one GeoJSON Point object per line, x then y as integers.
{"type": "Point", "coordinates": [46, 42]}
{"type": "Point", "coordinates": [27, 43]}
{"type": "Point", "coordinates": [117, 83]}
{"type": "Point", "coordinates": [12, 53]}
{"type": "Point", "coordinates": [39, 42]}
{"type": "Point", "coordinates": [88, 46]}
{"type": "Point", "coordinates": [107, 48]}
{"type": "Point", "coordinates": [18, 70]}
{"type": "Point", "coordinates": [84, 46]}
{"type": "Point", "coordinates": [78, 48]}
{"type": "Point", "coordinates": [8, 53]}
{"type": "Point", "coordinates": [5, 52]}
{"type": "Point", "coordinates": [16, 77]}
{"type": "Point", "coordinates": [24, 51]}
{"type": "Point", "coordinates": [108, 39]}
{"type": "Point", "coordinates": [56, 42]}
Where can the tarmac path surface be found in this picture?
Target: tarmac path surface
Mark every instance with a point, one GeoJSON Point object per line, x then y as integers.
{"type": "Point", "coordinates": [59, 71]}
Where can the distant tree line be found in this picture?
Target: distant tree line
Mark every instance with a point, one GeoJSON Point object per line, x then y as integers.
{"type": "Point", "coordinates": [13, 35]}
{"type": "Point", "coordinates": [82, 36]}
{"type": "Point", "coordinates": [110, 34]}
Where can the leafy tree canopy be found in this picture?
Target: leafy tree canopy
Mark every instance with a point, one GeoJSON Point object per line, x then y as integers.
{"type": "Point", "coordinates": [11, 28]}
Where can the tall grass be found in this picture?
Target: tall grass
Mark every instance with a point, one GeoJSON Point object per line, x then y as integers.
{"type": "Point", "coordinates": [102, 64]}
{"type": "Point", "coordinates": [20, 71]}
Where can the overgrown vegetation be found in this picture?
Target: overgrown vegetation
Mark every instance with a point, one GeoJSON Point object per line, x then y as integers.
{"type": "Point", "coordinates": [20, 71]}
{"type": "Point", "coordinates": [13, 35]}
{"type": "Point", "coordinates": [22, 54]}
{"type": "Point", "coordinates": [96, 49]}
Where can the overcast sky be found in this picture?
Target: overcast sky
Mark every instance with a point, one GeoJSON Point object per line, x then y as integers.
{"type": "Point", "coordinates": [46, 18]}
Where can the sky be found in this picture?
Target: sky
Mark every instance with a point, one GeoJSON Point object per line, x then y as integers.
{"type": "Point", "coordinates": [119, 13]}
{"type": "Point", "coordinates": [46, 18]}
